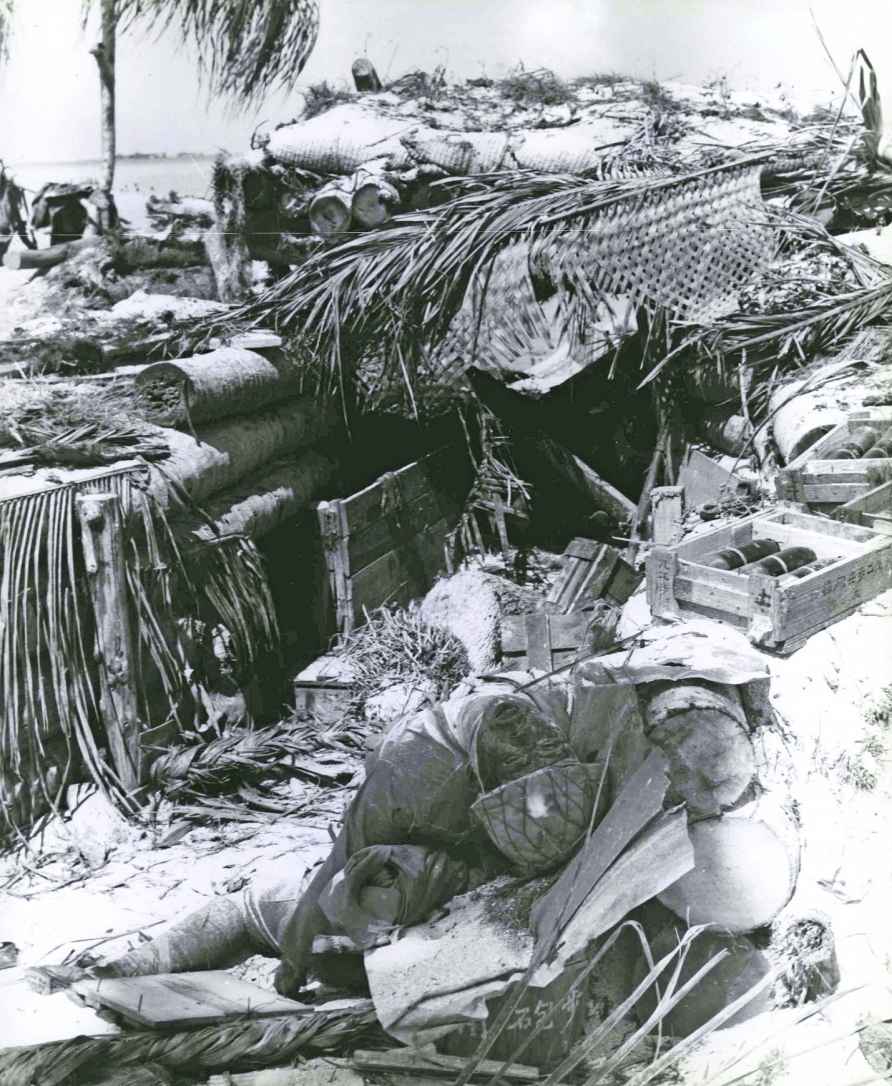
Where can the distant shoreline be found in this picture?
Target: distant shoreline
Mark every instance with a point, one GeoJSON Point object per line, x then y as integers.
{"type": "Point", "coordinates": [137, 156]}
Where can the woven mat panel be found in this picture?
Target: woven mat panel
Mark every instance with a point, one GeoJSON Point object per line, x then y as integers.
{"type": "Point", "coordinates": [689, 247]}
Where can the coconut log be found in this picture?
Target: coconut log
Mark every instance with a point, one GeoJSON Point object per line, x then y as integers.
{"type": "Point", "coordinates": [138, 254]}
{"type": "Point", "coordinates": [221, 456]}
{"type": "Point", "coordinates": [331, 209]}
{"type": "Point", "coordinates": [800, 418]}
{"type": "Point", "coordinates": [365, 78]}
{"type": "Point", "coordinates": [41, 259]}
{"type": "Point", "coordinates": [728, 433]}
{"type": "Point", "coordinates": [265, 501]}
{"type": "Point", "coordinates": [374, 199]}
{"type": "Point", "coordinates": [703, 731]}
{"type": "Point", "coordinates": [746, 863]}
{"type": "Point", "coordinates": [204, 387]}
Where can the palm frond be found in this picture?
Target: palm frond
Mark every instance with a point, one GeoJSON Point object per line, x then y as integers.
{"type": "Point", "coordinates": [783, 336]}
{"type": "Point", "coordinates": [247, 48]}
{"type": "Point", "coordinates": [393, 295]}
{"type": "Point", "coordinates": [50, 724]}
{"type": "Point", "coordinates": [7, 10]}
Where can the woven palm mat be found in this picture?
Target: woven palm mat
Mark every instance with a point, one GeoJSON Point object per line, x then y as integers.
{"type": "Point", "coordinates": [689, 245]}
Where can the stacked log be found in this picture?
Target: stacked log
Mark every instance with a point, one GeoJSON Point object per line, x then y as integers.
{"type": "Point", "coordinates": [220, 456]}
{"type": "Point", "coordinates": [265, 501]}
{"type": "Point", "coordinates": [215, 385]}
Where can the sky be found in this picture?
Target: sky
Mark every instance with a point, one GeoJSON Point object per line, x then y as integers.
{"type": "Point", "coordinates": [49, 99]}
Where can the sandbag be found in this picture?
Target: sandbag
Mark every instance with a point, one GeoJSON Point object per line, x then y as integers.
{"type": "Point", "coordinates": [418, 789]}
{"type": "Point", "coordinates": [387, 886]}
{"type": "Point", "coordinates": [340, 140]}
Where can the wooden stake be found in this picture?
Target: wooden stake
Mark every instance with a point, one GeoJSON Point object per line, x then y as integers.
{"type": "Point", "coordinates": [100, 519]}
{"type": "Point", "coordinates": [365, 77]}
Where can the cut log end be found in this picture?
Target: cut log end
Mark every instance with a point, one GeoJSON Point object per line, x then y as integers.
{"type": "Point", "coordinates": [373, 203]}
{"type": "Point", "coordinates": [746, 867]}
{"type": "Point", "coordinates": [330, 212]}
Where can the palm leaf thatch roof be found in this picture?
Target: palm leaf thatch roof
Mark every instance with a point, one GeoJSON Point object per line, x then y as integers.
{"type": "Point", "coordinates": [428, 289]}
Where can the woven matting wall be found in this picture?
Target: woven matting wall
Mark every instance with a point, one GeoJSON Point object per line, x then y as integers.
{"type": "Point", "coordinates": [688, 245]}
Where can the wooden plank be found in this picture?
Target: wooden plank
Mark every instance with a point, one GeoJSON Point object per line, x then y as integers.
{"type": "Point", "coordinates": [707, 595]}
{"type": "Point", "coordinates": [546, 641]}
{"type": "Point", "coordinates": [400, 575]}
{"type": "Point", "coordinates": [168, 1000]}
{"type": "Point", "coordinates": [661, 567]}
{"type": "Point", "coordinates": [872, 510]}
{"type": "Point", "coordinates": [589, 568]}
{"type": "Point", "coordinates": [667, 505]}
{"type": "Point", "coordinates": [832, 493]}
{"type": "Point", "coordinates": [604, 495]}
{"type": "Point", "coordinates": [703, 480]}
{"type": "Point", "coordinates": [403, 1061]}
{"type": "Point", "coordinates": [116, 652]}
{"type": "Point", "coordinates": [407, 485]}
{"type": "Point", "coordinates": [389, 532]}
{"type": "Point", "coordinates": [538, 640]}
{"type": "Point", "coordinates": [839, 471]}
{"type": "Point", "coordinates": [564, 631]}
{"type": "Point", "coordinates": [820, 525]}
{"type": "Point", "coordinates": [337, 560]}
{"type": "Point", "coordinates": [622, 583]}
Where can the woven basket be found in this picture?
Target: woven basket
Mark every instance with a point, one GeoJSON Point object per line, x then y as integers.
{"type": "Point", "coordinates": [537, 821]}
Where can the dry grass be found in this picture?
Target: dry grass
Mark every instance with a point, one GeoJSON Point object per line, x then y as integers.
{"type": "Point", "coordinates": [77, 425]}
{"type": "Point", "coordinates": [655, 95]}
{"type": "Point", "coordinates": [321, 97]}
{"type": "Point", "coordinates": [395, 646]}
{"type": "Point", "coordinates": [601, 79]}
{"type": "Point", "coordinates": [537, 87]}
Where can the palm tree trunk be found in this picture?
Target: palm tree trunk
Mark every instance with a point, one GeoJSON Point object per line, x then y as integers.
{"type": "Point", "coordinates": [104, 54]}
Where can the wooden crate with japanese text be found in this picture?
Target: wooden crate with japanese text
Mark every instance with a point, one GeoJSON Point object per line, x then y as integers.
{"type": "Point", "coordinates": [778, 613]}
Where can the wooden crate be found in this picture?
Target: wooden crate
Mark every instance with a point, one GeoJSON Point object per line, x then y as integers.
{"type": "Point", "coordinates": [386, 543]}
{"type": "Point", "coordinates": [816, 478]}
{"type": "Point", "coordinates": [871, 510]}
{"type": "Point", "coordinates": [779, 613]}
{"type": "Point", "coordinates": [592, 571]}
{"type": "Point", "coordinates": [325, 701]}
{"type": "Point", "coordinates": [545, 642]}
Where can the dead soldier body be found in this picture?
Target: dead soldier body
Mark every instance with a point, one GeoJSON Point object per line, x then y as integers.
{"type": "Point", "coordinates": [408, 844]}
